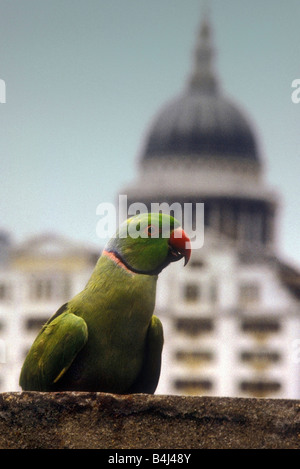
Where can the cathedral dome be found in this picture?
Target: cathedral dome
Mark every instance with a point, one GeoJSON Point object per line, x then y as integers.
{"type": "Point", "coordinates": [201, 147]}
{"type": "Point", "coordinates": [200, 122]}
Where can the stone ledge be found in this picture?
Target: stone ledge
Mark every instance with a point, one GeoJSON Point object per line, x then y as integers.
{"type": "Point", "coordinates": [84, 420]}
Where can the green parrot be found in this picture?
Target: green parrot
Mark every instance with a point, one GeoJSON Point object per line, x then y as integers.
{"type": "Point", "coordinates": [106, 338]}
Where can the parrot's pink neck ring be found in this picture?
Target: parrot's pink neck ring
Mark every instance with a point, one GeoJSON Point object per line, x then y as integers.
{"type": "Point", "coordinates": [116, 260]}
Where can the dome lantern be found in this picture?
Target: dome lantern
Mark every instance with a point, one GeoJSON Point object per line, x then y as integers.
{"type": "Point", "coordinates": [203, 77]}
{"type": "Point", "coordinates": [200, 122]}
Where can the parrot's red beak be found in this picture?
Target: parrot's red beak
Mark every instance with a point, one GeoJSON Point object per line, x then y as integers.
{"type": "Point", "coordinates": [180, 245]}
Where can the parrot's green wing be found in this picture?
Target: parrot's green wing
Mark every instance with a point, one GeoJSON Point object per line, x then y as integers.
{"type": "Point", "coordinates": [53, 351]}
{"type": "Point", "coordinates": [149, 375]}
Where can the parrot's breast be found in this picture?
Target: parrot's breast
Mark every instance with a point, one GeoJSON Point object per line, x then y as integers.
{"type": "Point", "coordinates": [118, 316]}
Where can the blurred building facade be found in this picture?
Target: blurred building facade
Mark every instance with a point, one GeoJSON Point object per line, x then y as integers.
{"type": "Point", "coordinates": [36, 278]}
{"type": "Point", "coordinates": [232, 316]}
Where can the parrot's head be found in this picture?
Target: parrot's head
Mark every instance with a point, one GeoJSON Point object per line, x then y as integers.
{"type": "Point", "coordinates": [147, 243]}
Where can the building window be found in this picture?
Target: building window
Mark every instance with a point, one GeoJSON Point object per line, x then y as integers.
{"type": "Point", "coordinates": [194, 326]}
{"type": "Point", "coordinates": [4, 292]}
{"type": "Point", "coordinates": [260, 388]}
{"type": "Point", "coordinates": [35, 324]}
{"type": "Point", "coordinates": [191, 293]}
{"type": "Point", "coordinates": [213, 292]}
{"type": "Point", "coordinates": [249, 294]}
{"type": "Point", "coordinates": [196, 264]}
{"type": "Point", "coordinates": [66, 290]}
{"type": "Point", "coordinates": [260, 325]}
{"type": "Point", "coordinates": [41, 289]}
{"type": "Point", "coordinates": [193, 386]}
{"type": "Point", "coordinates": [260, 359]}
{"type": "Point", "coordinates": [50, 288]}
{"type": "Point", "coordinates": [194, 358]}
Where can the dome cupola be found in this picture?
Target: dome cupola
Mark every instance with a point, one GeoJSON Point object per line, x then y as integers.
{"type": "Point", "coordinates": [201, 122]}
{"type": "Point", "coordinates": [201, 147]}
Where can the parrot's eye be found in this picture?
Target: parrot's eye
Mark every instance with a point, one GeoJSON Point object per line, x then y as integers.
{"type": "Point", "coordinates": [152, 230]}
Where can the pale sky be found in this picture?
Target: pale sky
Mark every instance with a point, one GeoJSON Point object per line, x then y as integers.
{"type": "Point", "coordinates": [84, 79]}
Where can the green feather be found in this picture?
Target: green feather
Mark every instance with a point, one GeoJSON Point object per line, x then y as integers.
{"type": "Point", "coordinates": [53, 351]}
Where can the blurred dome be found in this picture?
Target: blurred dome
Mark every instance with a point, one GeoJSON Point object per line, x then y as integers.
{"type": "Point", "coordinates": [198, 124]}
{"type": "Point", "coordinates": [201, 122]}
